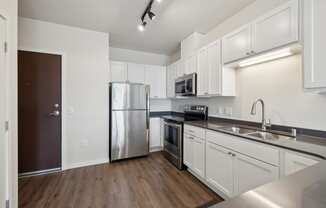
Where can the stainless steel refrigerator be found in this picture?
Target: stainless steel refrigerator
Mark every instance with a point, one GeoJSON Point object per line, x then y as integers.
{"type": "Point", "coordinates": [129, 120]}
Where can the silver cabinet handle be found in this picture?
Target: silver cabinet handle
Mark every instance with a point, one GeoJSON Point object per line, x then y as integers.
{"type": "Point", "coordinates": [55, 113]}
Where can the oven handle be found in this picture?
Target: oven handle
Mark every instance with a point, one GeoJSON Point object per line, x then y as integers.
{"type": "Point", "coordinates": [179, 126]}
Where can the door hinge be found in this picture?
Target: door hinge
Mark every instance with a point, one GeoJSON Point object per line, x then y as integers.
{"type": "Point", "coordinates": [6, 47]}
{"type": "Point", "coordinates": [7, 204]}
{"type": "Point", "coordinates": [6, 125]}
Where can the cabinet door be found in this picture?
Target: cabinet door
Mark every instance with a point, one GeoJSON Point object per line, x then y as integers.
{"type": "Point", "coordinates": [250, 173]}
{"type": "Point", "coordinates": [136, 73]}
{"type": "Point", "coordinates": [277, 28]}
{"type": "Point", "coordinates": [214, 69]}
{"type": "Point", "coordinates": [237, 45]}
{"type": "Point", "coordinates": [294, 163]}
{"type": "Point", "coordinates": [155, 76]}
{"type": "Point", "coordinates": [202, 87]}
{"type": "Point", "coordinates": [219, 168]}
{"type": "Point", "coordinates": [188, 151]}
{"type": "Point", "coordinates": [314, 43]}
{"type": "Point", "coordinates": [191, 64]}
{"type": "Point", "coordinates": [181, 68]}
{"type": "Point", "coordinates": [155, 133]}
{"type": "Point", "coordinates": [118, 71]}
{"type": "Point", "coordinates": [199, 157]}
{"type": "Point", "coordinates": [171, 76]}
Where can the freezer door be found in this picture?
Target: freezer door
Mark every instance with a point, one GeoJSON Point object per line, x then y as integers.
{"type": "Point", "coordinates": [130, 134]}
{"type": "Point", "coordinates": [127, 96]}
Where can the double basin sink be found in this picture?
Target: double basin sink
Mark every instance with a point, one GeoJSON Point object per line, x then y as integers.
{"type": "Point", "coordinates": [255, 133]}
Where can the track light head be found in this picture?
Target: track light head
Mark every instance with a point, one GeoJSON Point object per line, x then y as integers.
{"type": "Point", "coordinates": [151, 15]}
{"type": "Point", "coordinates": [141, 27]}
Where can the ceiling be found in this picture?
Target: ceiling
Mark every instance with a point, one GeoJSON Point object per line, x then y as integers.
{"type": "Point", "coordinates": [176, 19]}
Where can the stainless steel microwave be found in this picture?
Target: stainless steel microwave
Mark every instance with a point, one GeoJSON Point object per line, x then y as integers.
{"type": "Point", "coordinates": [186, 85]}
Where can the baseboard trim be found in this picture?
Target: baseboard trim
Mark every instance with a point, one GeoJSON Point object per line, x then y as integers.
{"type": "Point", "coordinates": [156, 149]}
{"type": "Point", "coordinates": [88, 163]}
{"type": "Point", "coordinates": [38, 173]}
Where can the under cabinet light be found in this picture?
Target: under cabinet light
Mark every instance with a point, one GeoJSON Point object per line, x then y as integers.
{"type": "Point", "coordinates": [266, 57]}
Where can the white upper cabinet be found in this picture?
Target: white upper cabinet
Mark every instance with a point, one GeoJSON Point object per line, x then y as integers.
{"type": "Point", "coordinates": [155, 76]}
{"type": "Point", "coordinates": [215, 68]}
{"type": "Point", "coordinates": [191, 64]}
{"type": "Point", "coordinates": [203, 73]}
{"type": "Point", "coordinates": [136, 73]}
{"type": "Point", "coordinates": [277, 28]}
{"type": "Point", "coordinates": [181, 68]}
{"type": "Point", "coordinates": [171, 75]}
{"type": "Point", "coordinates": [118, 71]}
{"type": "Point", "coordinates": [213, 80]}
{"type": "Point", "coordinates": [314, 43]}
{"type": "Point", "coordinates": [237, 44]}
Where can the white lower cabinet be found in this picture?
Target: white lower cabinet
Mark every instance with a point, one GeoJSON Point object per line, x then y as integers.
{"type": "Point", "coordinates": [293, 162]}
{"type": "Point", "coordinates": [199, 157]}
{"type": "Point", "coordinates": [250, 173]}
{"type": "Point", "coordinates": [188, 151]}
{"type": "Point", "coordinates": [231, 165]}
{"type": "Point", "coordinates": [219, 168]}
{"type": "Point", "coordinates": [155, 134]}
{"type": "Point", "coordinates": [234, 173]}
{"type": "Point", "coordinates": [194, 154]}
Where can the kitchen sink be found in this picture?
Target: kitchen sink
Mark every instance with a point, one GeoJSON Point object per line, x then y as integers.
{"type": "Point", "coordinates": [238, 130]}
{"type": "Point", "coordinates": [268, 136]}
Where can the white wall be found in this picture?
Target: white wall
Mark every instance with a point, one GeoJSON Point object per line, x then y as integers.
{"type": "Point", "coordinates": [279, 83]}
{"type": "Point", "coordinates": [85, 86]}
{"type": "Point", "coordinates": [139, 57]}
{"type": "Point", "coordinates": [8, 9]}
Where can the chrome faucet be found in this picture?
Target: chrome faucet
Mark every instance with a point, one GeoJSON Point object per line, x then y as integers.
{"type": "Point", "coordinates": [253, 112]}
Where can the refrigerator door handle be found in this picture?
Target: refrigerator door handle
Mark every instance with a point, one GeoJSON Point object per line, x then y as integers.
{"type": "Point", "coordinates": [147, 107]}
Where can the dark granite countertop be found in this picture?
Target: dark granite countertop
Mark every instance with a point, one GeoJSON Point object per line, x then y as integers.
{"type": "Point", "coordinates": [315, 146]}
{"type": "Point", "coordinates": [304, 189]}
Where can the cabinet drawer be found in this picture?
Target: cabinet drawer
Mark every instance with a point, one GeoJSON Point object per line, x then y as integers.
{"type": "Point", "coordinates": [194, 131]}
{"type": "Point", "coordinates": [252, 149]}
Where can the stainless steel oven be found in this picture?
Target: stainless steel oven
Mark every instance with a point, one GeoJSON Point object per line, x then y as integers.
{"type": "Point", "coordinates": [173, 142]}
{"type": "Point", "coordinates": [173, 132]}
{"type": "Point", "coordinates": [186, 85]}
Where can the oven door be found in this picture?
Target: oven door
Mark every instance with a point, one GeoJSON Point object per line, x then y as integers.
{"type": "Point", "coordinates": [173, 139]}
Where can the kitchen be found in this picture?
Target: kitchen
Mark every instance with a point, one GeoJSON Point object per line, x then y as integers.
{"type": "Point", "coordinates": [234, 108]}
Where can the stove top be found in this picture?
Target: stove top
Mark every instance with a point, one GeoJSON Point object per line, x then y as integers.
{"type": "Point", "coordinates": [179, 119]}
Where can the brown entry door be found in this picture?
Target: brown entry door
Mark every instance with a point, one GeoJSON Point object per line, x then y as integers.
{"type": "Point", "coordinates": [39, 113]}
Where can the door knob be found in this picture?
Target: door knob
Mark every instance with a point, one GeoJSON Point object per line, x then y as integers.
{"type": "Point", "coordinates": [55, 114]}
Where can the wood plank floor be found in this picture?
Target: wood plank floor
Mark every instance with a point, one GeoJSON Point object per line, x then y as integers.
{"type": "Point", "coordinates": [138, 183]}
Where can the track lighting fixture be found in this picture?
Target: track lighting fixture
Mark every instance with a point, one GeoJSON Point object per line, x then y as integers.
{"type": "Point", "coordinates": [151, 15]}
{"type": "Point", "coordinates": [141, 27]}
{"type": "Point", "coordinates": [148, 13]}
